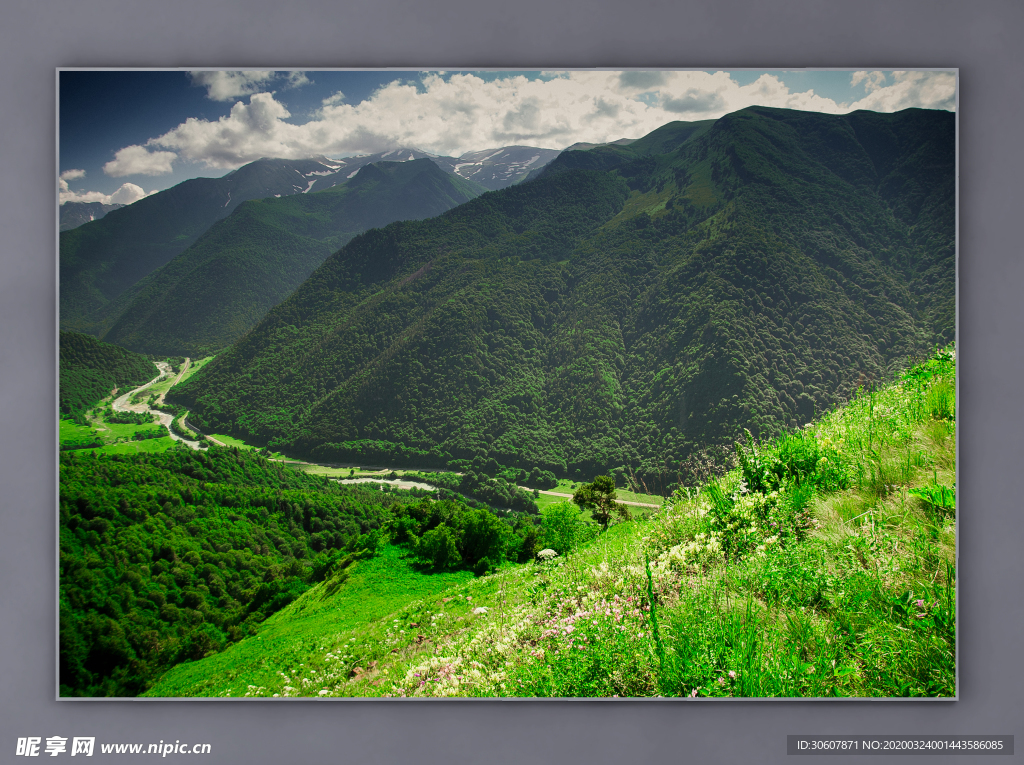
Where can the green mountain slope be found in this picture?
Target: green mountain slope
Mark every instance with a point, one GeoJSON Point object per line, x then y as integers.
{"type": "Point", "coordinates": [619, 312]}
{"type": "Point", "coordinates": [103, 258]}
{"type": "Point", "coordinates": [218, 288]}
{"type": "Point", "coordinates": [167, 556]}
{"type": "Point", "coordinates": [821, 565]}
{"type": "Point", "coordinates": [89, 370]}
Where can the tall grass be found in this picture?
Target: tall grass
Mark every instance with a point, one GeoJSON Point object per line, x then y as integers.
{"type": "Point", "coordinates": [823, 565]}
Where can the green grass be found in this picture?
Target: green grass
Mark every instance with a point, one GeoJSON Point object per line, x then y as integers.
{"type": "Point", "coordinates": [546, 500]}
{"type": "Point", "coordinates": [566, 486]}
{"type": "Point", "coordinates": [230, 441]}
{"type": "Point", "coordinates": [823, 566]}
{"type": "Point", "coordinates": [160, 387]}
{"type": "Point", "coordinates": [295, 639]}
{"type": "Point", "coordinates": [240, 444]}
{"type": "Point", "coordinates": [149, 446]}
{"type": "Point", "coordinates": [195, 366]}
{"type": "Point", "coordinates": [109, 433]}
{"type": "Point", "coordinates": [115, 430]}
{"type": "Point", "coordinates": [71, 431]}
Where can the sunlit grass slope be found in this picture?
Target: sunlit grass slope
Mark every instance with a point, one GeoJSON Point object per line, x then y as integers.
{"type": "Point", "coordinates": [824, 565]}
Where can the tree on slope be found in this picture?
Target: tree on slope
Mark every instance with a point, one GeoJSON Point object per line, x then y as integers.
{"type": "Point", "coordinates": [599, 498]}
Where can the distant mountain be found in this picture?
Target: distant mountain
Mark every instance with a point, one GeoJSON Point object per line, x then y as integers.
{"type": "Point", "coordinates": [217, 289]}
{"type": "Point", "coordinates": [587, 146]}
{"type": "Point", "coordinates": [102, 259]}
{"type": "Point", "coordinates": [629, 307]}
{"type": "Point", "coordinates": [497, 168]}
{"type": "Point", "coordinates": [74, 214]}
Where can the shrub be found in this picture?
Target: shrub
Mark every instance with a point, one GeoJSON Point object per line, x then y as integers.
{"type": "Point", "coordinates": [564, 528]}
{"type": "Point", "coordinates": [438, 549]}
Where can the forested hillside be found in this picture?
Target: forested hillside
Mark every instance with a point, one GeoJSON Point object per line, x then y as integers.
{"type": "Point", "coordinates": [103, 258]}
{"type": "Point", "coordinates": [631, 306]}
{"type": "Point", "coordinates": [89, 370]}
{"type": "Point", "coordinates": [166, 557]}
{"type": "Point", "coordinates": [217, 289]}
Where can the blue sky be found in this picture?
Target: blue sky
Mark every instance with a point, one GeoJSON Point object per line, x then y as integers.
{"type": "Point", "coordinates": [125, 134]}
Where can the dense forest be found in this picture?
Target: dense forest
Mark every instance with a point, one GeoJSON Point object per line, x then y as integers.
{"type": "Point", "coordinates": [89, 370]}
{"type": "Point", "coordinates": [168, 557]}
{"type": "Point", "coordinates": [630, 306]}
{"type": "Point", "coordinates": [216, 290]}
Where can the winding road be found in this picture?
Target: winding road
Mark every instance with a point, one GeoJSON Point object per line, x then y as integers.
{"type": "Point", "coordinates": [123, 403]}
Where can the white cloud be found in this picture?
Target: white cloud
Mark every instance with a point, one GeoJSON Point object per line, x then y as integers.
{"type": "Point", "coordinates": [296, 80]}
{"type": "Point", "coordinates": [137, 160]}
{"type": "Point", "coordinates": [225, 86]}
{"type": "Point", "coordinates": [70, 175]}
{"type": "Point", "coordinates": [923, 90]}
{"type": "Point", "coordinates": [125, 195]}
{"type": "Point", "coordinates": [872, 80]}
{"type": "Point", "coordinates": [465, 113]}
{"type": "Point", "coordinates": [228, 86]}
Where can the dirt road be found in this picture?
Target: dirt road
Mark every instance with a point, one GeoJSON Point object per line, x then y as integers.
{"type": "Point", "coordinates": [123, 403]}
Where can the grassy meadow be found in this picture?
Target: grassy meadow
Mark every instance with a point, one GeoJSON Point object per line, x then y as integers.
{"type": "Point", "coordinates": [823, 565]}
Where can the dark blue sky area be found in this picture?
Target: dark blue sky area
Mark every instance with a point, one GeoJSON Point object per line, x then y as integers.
{"type": "Point", "coordinates": [103, 111]}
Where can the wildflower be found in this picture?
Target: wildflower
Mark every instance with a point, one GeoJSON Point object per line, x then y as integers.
{"type": "Point", "coordinates": [919, 603]}
{"type": "Point", "coordinates": [732, 674]}
{"type": "Point", "coordinates": [721, 681]}
{"type": "Point", "coordinates": [693, 693]}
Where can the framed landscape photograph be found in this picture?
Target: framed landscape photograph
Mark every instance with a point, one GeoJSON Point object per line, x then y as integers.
{"type": "Point", "coordinates": [532, 384]}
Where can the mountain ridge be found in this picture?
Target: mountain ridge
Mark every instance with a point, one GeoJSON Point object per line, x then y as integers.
{"type": "Point", "coordinates": [627, 308]}
{"type": "Point", "coordinates": [214, 291]}
{"type": "Point", "coordinates": [101, 259]}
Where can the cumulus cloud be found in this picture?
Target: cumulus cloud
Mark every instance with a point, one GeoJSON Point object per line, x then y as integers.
{"type": "Point", "coordinates": [296, 80]}
{"type": "Point", "coordinates": [872, 80]}
{"type": "Point", "coordinates": [464, 112]}
{"type": "Point", "coordinates": [125, 195]}
{"type": "Point", "coordinates": [693, 101]}
{"type": "Point", "coordinates": [138, 160]}
{"type": "Point", "coordinates": [70, 175]}
{"type": "Point", "coordinates": [225, 86]}
{"type": "Point", "coordinates": [924, 90]}
{"type": "Point", "coordinates": [641, 80]}
{"type": "Point", "coordinates": [228, 86]}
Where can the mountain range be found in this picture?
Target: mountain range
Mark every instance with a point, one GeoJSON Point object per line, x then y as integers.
{"type": "Point", "coordinates": [102, 259]}
{"type": "Point", "coordinates": [216, 290]}
{"type": "Point", "coordinates": [624, 307]}
{"type": "Point", "coordinates": [75, 214]}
